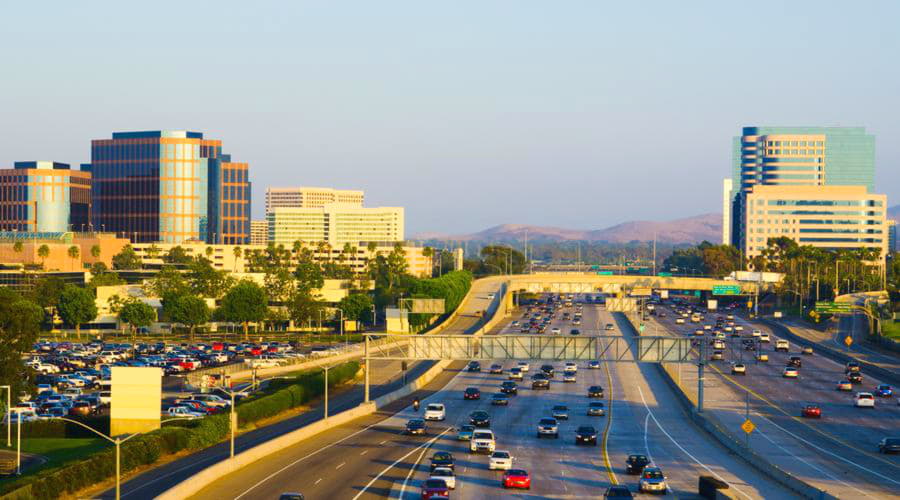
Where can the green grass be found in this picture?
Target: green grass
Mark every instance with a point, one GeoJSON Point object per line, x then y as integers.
{"type": "Point", "coordinates": [61, 450]}
{"type": "Point", "coordinates": [891, 329]}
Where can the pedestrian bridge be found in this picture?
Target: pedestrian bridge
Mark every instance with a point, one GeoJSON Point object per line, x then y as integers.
{"type": "Point", "coordinates": [592, 283]}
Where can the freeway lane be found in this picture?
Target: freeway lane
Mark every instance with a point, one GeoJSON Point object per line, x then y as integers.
{"type": "Point", "coordinates": [837, 453]}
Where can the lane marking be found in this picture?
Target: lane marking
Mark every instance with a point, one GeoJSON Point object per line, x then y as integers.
{"type": "Point", "coordinates": [609, 418]}
{"type": "Point", "coordinates": [363, 452]}
{"type": "Point", "coordinates": [317, 481]}
{"type": "Point", "coordinates": [646, 432]}
{"type": "Point", "coordinates": [692, 457]}
{"type": "Point", "coordinates": [340, 465]}
{"type": "Point", "coordinates": [382, 443]}
{"type": "Point", "coordinates": [389, 467]}
{"type": "Point", "coordinates": [412, 469]}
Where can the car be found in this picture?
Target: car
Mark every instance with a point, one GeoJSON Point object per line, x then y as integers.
{"type": "Point", "coordinates": [889, 445]}
{"type": "Point", "coordinates": [515, 374]}
{"type": "Point", "coordinates": [586, 434]}
{"type": "Point", "coordinates": [635, 464]}
{"type": "Point", "coordinates": [290, 495]}
{"type": "Point", "coordinates": [718, 344]}
{"type": "Point", "coordinates": [81, 408]}
{"type": "Point", "coordinates": [496, 369]}
{"type": "Point", "coordinates": [509, 387]}
{"type": "Point", "coordinates": [699, 332]}
{"type": "Point", "coordinates": [717, 356]}
{"type": "Point", "coordinates": [609, 326]}
{"type": "Point", "coordinates": [547, 370]}
{"type": "Point", "coordinates": [811, 410]}
{"type": "Point", "coordinates": [416, 426]}
{"type": "Point", "coordinates": [474, 366]}
{"type": "Point", "coordinates": [435, 488]}
{"type": "Point", "coordinates": [851, 367]}
{"type": "Point", "coordinates": [764, 337]}
{"type": "Point", "coordinates": [445, 474]}
{"type": "Point", "coordinates": [480, 419]}
{"type": "Point", "coordinates": [653, 481]}
{"type": "Point", "coordinates": [555, 330]}
{"type": "Point", "coordinates": [762, 357]}
{"type": "Point", "coordinates": [500, 460]}
{"type": "Point", "coordinates": [569, 376]}
{"type": "Point", "coordinates": [790, 372]}
{"type": "Point", "coordinates": [807, 350]}
{"type": "Point", "coordinates": [738, 369]}
{"type": "Point", "coordinates": [884, 391]}
{"type": "Point", "coordinates": [855, 377]}
{"type": "Point", "coordinates": [596, 409]}
{"type": "Point", "coordinates": [593, 364]}
{"type": "Point", "coordinates": [472, 393]}
{"type": "Point", "coordinates": [781, 345]}
{"type": "Point", "coordinates": [756, 333]}
{"type": "Point", "coordinates": [560, 412]}
{"type": "Point", "coordinates": [595, 391]}
{"type": "Point", "coordinates": [618, 491]}
{"type": "Point", "coordinates": [865, 400]}
{"type": "Point", "coordinates": [571, 366]}
{"type": "Point", "coordinates": [679, 321]}
{"type": "Point", "coordinates": [523, 366]}
{"type": "Point", "coordinates": [548, 427]}
{"type": "Point", "coordinates": [574, 331]}
{"type": "Point", "coordinates": [844, 385]}
{"type": "Point", "coordinates": [516, 478]}
{"type": "Point", "coordinates": [442, 459]}
{"type": "Point", "coordinates": [795, 361]}
{"type": "Point", "coordinates": [464, 433]}
{"type": "Point", "coordinates": [500, 399]}
{"type": "Point", "coordinates": [482, 441]}
{"type": "Point", "coordinates": [539, 381]}
{"type": "Point", "coordinates": [435, 411]}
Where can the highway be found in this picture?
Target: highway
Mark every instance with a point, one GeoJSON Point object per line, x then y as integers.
{"type": "Point", "coordinates": [372, 458]}
{"type": "Point", "coordinates": [837, 453]}
{"type": "Point", "coordinates": [386, 376]}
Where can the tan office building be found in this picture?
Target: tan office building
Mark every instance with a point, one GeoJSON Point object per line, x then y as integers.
{"type": "Point", "coordinates": [311, 197]}
{"type": "Point", "coordinates": [830, 217]}
{"type": "Point", "coordinates": [335, 224]}
{"type": "Point", "coordinates": [259, 232]}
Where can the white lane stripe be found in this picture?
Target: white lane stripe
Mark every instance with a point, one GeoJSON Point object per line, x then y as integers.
{"type": "Point", "coordinates": [389, 467]}
{"type": "Point", "coordinates": [412, 469]}
{"type": "Point", "coordinates": [341, 465]}
{"type": "Point", "coordinates": [701, 464]}
{"type": "Point", "coordinates": [317, 481]}
{"type": "Point", "coordinates": [363, 452]}
{"type": "Point", "coordinates": [646, 441]}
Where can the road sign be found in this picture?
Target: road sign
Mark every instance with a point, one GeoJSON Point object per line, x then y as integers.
{"type": "Point", "coordinates": [833, 307]}
{"type": "Point", "coordinates": [848, 340]}
{"type": "Point", "coordinates": [666, 275]}
{"type": "Point", "coordinates": [604, 273]}
{"type": "Point", "coordinates": [726, 289]}
{"type": "Point", "coordinates": [595, 267]}
{"type": "Point", "coordinates": [641, 328]}
{"type": "Point", "coordinates": [748, 426]}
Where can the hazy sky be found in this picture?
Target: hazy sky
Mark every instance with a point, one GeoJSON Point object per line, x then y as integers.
{"type": "Point", "coordinates": [578, 114]}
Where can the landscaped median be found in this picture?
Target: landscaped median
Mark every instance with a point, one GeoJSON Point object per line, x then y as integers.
{"type": "Point", "coordinates": [146, 449]}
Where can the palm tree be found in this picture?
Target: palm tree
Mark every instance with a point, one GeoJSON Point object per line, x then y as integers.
{"type": "Point", "coordinates": [237, 255]}
{"type": "Point", "coordinates": [73, 254]}
{"type": "Point", "coordinates": [43, 253]}
{"type": "Point", "coordinates": [95, 251]}
{"type": "Point", "coordinates": [209, 251]}
{"type": "Point", "coordinates": [152, 251]}
{"type": "Point", "coordinates": [18, 247]}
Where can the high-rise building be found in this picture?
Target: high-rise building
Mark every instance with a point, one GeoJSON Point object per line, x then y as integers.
{"type": "Point", "coordinates": [311, 197]}
{"type": "Point", "coordinates": [727, 187]}
{"type": "Point", "coordinates": [259, 232]}
{"type": "Point", "coordinates": [829, 217]}
{"type": "Point", "coordinates": [336, 224]}
{"type": "Point", "coordinates": [169, 186]}
{"type": "Point", "coordinates": [892, 235]}
{"type": "Point", "coordinates": [43, 197]}
{"type": "Point", "coordinates": [797, 156]}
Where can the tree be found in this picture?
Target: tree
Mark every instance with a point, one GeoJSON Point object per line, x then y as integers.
{"type": "Point", "coordinates": [18, 247]}
{"type": "Point", "coordinates": [46, 291]}
{"type": "Point", "coordinates": [167, 282]}
{"type": "Point", "coordinates": [126, 259]}
{"type": "Point", "coordinates": [244, 303]}
{"type": "Point", "coordinates": [20, 322]}
{"type": "Point", "coordinates": [188, 310]}
{"type": "Point", "coordinates": [206, 281]}
{"type": "Point", "coordinates": [153, 251]}
{"type": "Point", "coordinates": [77, 306]}
{"type": "Point", "coordinates": [357, 307]}
{"type": "Point", "coordinates": [303, 306]}
{"type": "Point", "coordinates": [177, 255]}
{"type": "Point", "coordinates": [100, 276]}
{"type": "Point", "coordinates": [137, 314]}
{"type": "Point", "coordinates": [308, 272]}
{"type": "Point", "coordinates": [497, 259]}
{"type": "Point", "coordinates": [237, 255]}
{"type": "Point", "coordinates": [388, 269]}
{"type": "Point", "coordinates": [43, 253]}
{"type": "Point", "coordinates": [95, 251]}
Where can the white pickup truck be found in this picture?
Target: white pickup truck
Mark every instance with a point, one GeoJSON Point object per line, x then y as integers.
{"type": "Point", "coordinates": [482, 441]}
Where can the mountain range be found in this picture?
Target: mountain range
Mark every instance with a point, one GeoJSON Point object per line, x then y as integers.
{"type": "Point", "coordinates": [687, 230]}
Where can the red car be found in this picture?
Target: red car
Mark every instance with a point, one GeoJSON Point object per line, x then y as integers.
{"type": "Point", "coordinates": [812, 411]}
{"type": "Point", "coordinates": [435, 488]}
{"type": "Point", "coordinates": [517, 478]}
{"type": "Point", "coordinates": [472, 393]}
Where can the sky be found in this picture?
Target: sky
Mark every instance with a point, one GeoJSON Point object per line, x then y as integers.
{"type": "Point", "coordinates": [577, 114]}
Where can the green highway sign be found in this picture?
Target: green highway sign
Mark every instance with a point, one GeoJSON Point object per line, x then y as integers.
{"type": "Point", "coordinates": [666, 275]}
{"type": "Point", "coordinates": [604, 273]}
{"type": "Point", "coordinates": [726, 289]}
{"type": "Point", "coordinates": [833, 307]}
{"type": "Point", "coordinates": [595, 267]}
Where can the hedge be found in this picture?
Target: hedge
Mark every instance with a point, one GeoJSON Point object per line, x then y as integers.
{"type": "Point", "coordinates": [148, 448]}
{"type": "Point", "coordinates": [61, 428]}
{"type": "Point", "coordinates": [452, 287]}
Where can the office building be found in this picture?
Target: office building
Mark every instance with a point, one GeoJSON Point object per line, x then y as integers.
{"type": "Point", "coordinates": [169, 186]}
{"type": "Point", "coordinates": [799, 157]}
{"type": "Point", "coordinates": [335, 224]}
{"type": "Point", "coordinates": [259, 232]}
{"type": "Point", "coordinates": [892, 235]}
{"type": "Point", "coordinates": [58, 245]}
{"type": "Point", "coordinates": [311, 197]}
{"type": "Point", "coordinates": [727, 187]}
{"type": "Point", "coordinates": [44, 196]}
{"type": "Point", "coordinates": [829, 217]}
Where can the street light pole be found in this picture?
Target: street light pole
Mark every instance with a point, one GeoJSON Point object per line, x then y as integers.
{"type": "Point", "coordinates": [8, 414]}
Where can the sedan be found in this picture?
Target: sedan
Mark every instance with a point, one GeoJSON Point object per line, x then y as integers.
{"type": "Point", "coordinates": [547, 370]}
{"type": "Point", "coordinates": [415, 426]}
{"type": "Point", "coordinates": [472, 393]}
{"type": "Point", "coordinates": [618, 491]}
{"type": "Point", "coordinates": [480, 419]}
{"type": "Point", "coordinates": [442, 459]}
{"type": "Point", "coordinates": [790, 372]}
{"type": "Point", "coordinates": [496, 369]}
{"type": "Point", "coordinates": [523, 365]}
{"type": "Point", "coordinates": [635, 464]}
{"type": "Point", "coordinates": [474, 366]}
{"type": "Point", "coordinates": [569, 376]}
{"type": "Point", "coordinates": [855, 377]}
{"type": "Point", "coordinates": [465, 432]}
{"type": "Point", "coordinates": [509, 387]}
{"type": "Point", "coordinates": [586, 434]}
{"type": "Point", "coordinates": [795, 361]}
{"type": "Point", "coordinates": [555, 330]}
{"type": "Point", "coordinates": [609, 326]}
{"type": "Point", "coordinates": [516, 478]}
{"type": "Point", "coordinates": [435, 488]}
{"type": "Point", "coordinates": [653, 481]}
{"type": "Point", "coordinates": [574, 331]}
{"type": "Point", "coordinates": [807, 350]}
{"type": "Point", "coordinates": [500, 460]}
{"type": "Point", "coordinates": [889, 445]}
{"type": "Point", "coordinates": [865, 400]}
{"type": "Point", "coordinates": [884, 391]}
{"type": "Point", "coordinates": [500, 399]}
{"type": "Point", "coordinates": [595, 391]}
{"type": "Point", "coordinates": [844, 385]}
{"type": "Point", "coordinates": [515, 374]}
{"type": "Point", "coordinates": [539, 381]}
{"type": "Point", "coordinates": [445, 474]}
{"type": "Point", "coordinates": [561, 412]}
{"type": "Point", "coordinates": [738, 369]}
{"type": "Point", "coordinates": [594, 364]}
{"type": "Point", "coordinates": [596, 409]}
{"type": "Point", "coordinates": [811, 411]}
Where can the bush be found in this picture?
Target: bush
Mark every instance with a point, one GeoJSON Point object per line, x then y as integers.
{"type": "Point", "coordinates": [61, 428]}
{"type": "Point", "coordinates": [452, 287]}
{"type": "Point", "coordinates": [148, 448]}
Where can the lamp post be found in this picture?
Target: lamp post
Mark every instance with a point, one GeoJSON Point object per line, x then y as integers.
{"type": "Point", "coordinates": [8, 414]}
{"type": "Point", "coordinates": [326, 368]}
{"type": "Point", "coordinates": [374, 320]}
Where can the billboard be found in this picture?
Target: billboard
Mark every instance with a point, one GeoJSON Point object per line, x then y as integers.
{"type": "Point", "coordinates": [136, 399]}
{"type": "Point", "coordinates": [426, 306]}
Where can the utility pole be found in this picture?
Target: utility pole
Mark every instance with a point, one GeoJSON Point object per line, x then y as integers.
{"type": "Point", "coordinates": [654, 254]}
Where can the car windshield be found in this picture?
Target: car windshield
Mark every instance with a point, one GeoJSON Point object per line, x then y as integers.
{"type": "Point", "coordinates": [436, 407]}
{"type": "Point", "coordinates": [435, 483]}
{"type": "Point", "coordinates": [560, 408]}
{"type": "Point", "coordinates": [442, 471]}
{"type": "Point", "coordinates": [499, 396]}
{"type": "Point", "coordinates": [467, 428]}
{"type": "Point", "coordinates": [500, 454]}
{"type": "Point", "coordinates": [653, 474]}
{"type": "Point", "coordinates": [416, 421]}
{"type": "Point", "coordinates": [471, 390]}
{"type": "Point", "coordinates": [637, 458]}
{"type": "Point", "coordinates": [586, 430]}
{"type": "Point", "coordinates": [479, 414]}
{"type": "Point", "coordinates": [548, 421]}
{"type": "Point", "coordinates": [483, 435]}
{"type": "Point", "coordinates": [596, 404]}
{"type": "Point", "coordinates": [517, 472]}
{"type": "Point", "coordinates": [892, 442]}
{"type": "Point", "coordinates": [441, 455]}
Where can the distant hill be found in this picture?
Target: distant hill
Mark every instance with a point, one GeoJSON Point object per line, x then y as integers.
{"type": "Point", "coordinates": [688, 230]}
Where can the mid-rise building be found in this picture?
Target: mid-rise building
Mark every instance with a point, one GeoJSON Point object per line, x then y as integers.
{"type": "Point", "coordinates": [727, 187]}
{"type": "Point", "coordinates": [57, 254]}
{"type": "Point", "coordinates": [44, 196]}
{"type": "Point", "coordinates": [829, 217]}
{"type": "Point", "coordinates": [311, 197]}
{"type": "Point", "coordinates": [259, 232]}
{"type": "Point", "coordinates": [892, 235]}
{"type": "Point", "coordinates": [169, 186]}
{"type": "Point", "coordinates": [335, 224]}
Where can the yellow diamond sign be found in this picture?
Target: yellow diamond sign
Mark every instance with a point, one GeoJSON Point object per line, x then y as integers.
{"type": "Point", "coordinates": [848, 340]}
{"type": "Point", "coordinates": [748, 426]}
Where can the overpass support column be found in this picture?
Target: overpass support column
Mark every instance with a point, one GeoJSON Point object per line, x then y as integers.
{"type": "Point", "coordinates": [508, 305]}
{"type": "Point", "coordinates": [366, 398]}
{"type": "Point", "coordinates": [700, 386]}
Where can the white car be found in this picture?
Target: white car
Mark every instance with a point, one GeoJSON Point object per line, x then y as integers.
{"type": "Point", "coordinates": [435, 411]}
{"type": "Point", "coordinates": [555, 330]}
{"type": "Point", "coordinates": [756, 334]}
{"type": "Point", "coordinates": [571, 366]}
{"type": "Point", "coordinates": [500, 460]}
{"type": "Point", "coordinates": [738, 368]}
{"type": "Point", "coordinates": [707, 327]}
{"type": "Point", "coordinates": [569, 376]}
{"type": "Point", "coordinates": [865, 400]}
{"type": "Point", "coordinates": [679, 321]}
{"type": "Point", "coordinates": [482, 441]}
{"type": "Point", "coordinates": [182, 412]}
{"type": "Point", "coordinates": [491, 295]}
{"type": "Point", "coordinates": [523, 365]}
{"type": "Point", "coordinates": [782, 345]}
{"type": "Point", "coordinates": [738, 328]}
{"type": "Point", "coordinates": [212, 400]}
{"type": "Point", "coordinates": [790, 372]}
{"type": "Point", "coordinates": [764, 337]}
{"type": "Point", "coordinates": [445, 474]}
